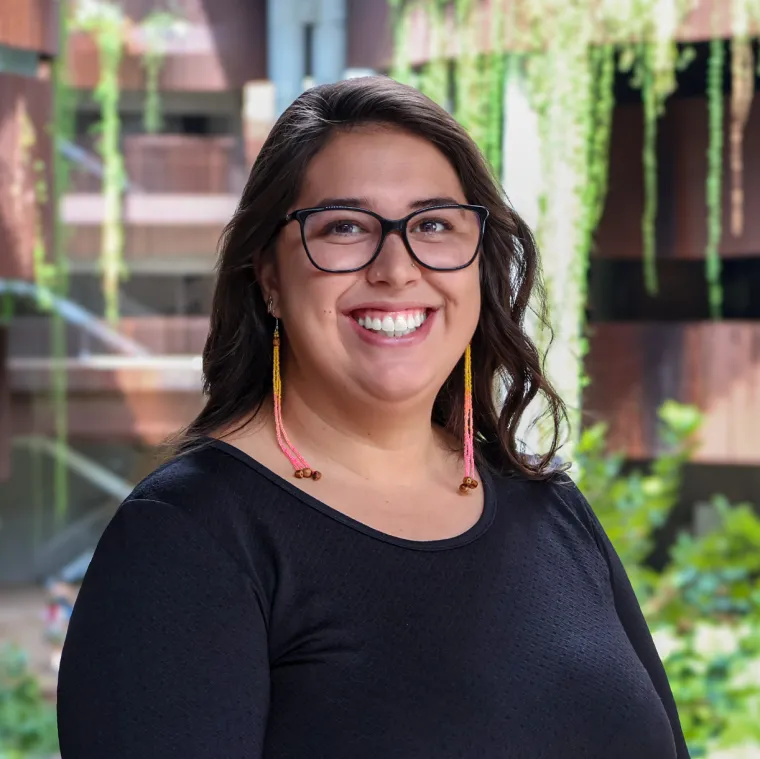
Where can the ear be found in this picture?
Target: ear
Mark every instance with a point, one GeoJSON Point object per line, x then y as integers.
{"type": "Point", "coordinates": [268, 279]}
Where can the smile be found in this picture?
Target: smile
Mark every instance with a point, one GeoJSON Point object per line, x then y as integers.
{"type": "Point", "coordinates": [391, 323]}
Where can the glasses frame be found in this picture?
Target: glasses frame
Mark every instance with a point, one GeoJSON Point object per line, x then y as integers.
{"type": "Point", "coordinates": [387, 226]}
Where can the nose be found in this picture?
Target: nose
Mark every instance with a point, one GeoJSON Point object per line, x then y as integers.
{"type": "Point", "coordinates": [393, 266]}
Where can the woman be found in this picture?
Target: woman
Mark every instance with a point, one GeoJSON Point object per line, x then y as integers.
{"type": "Point", "coordinates": [381, 602]}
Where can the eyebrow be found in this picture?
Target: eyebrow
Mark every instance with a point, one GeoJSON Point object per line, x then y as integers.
{"type": "Point", "coordinates": [444, 200]}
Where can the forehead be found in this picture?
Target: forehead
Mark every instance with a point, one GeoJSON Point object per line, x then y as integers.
{"type": "Point", "coordinates": [387, 166]}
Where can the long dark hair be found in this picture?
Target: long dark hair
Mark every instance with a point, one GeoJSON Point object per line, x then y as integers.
{"type": "Point", "coordinates": [237, 358]}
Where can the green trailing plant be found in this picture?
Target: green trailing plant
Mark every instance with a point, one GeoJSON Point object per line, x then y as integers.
{"type": "Point", "coordinates": [704, 607]}
{"type": "Point", "coordinates": [649, 158]}
{"type": "Point", "coordinates": [495, 64]}
{"type": "Point", "coordinates": [433, 77]}
{"type": "Point", "coordinates": [62, 129]}
{"type": "Point", "coordinates": [468, 69]}
{"type": "Point", "coordinates": [106, 23]}
{"type": "Point", "coordinates": [36, 198]}
{"type": "Point", "coordinates": [714, 185]}
{"type": "Point", "coordinates": [742, 94]}
{"type": "Point", "coordinates": [27, 720]}
{"type": "Point", "coordinates": [603, 104]}
{"type": "Point", "coordinates": [156, 28]}
{"type": "Point", "coordinates": [401, 68]}
{"type": "Point", "coordinates": [50, 275]}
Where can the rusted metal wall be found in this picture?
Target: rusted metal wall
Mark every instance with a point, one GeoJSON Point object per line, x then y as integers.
{"type": "Point", "coordinates": [682, 176]}
{"type": "Point", "coordinates": [222, 48]}
{"type": "Point", "coordinates": [30, 25]}
{"type": "Point", "coordinates": [25, 112]}
{"type": "Point", "coordinates": [635, 367]}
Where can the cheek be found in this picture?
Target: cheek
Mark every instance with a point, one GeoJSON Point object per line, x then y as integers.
{"type": "Point", "coordinates": [461, 291]}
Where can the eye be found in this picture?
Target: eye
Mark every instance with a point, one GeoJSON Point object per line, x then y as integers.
{"type": "Point", "coordinates": [432, 226]}
{"type": "Point", "coordinates": [345, 228]}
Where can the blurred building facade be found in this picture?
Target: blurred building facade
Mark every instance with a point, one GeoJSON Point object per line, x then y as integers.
{"type": "Point", "coordinates": [236, 66]}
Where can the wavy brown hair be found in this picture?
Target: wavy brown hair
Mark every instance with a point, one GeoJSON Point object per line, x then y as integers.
{"type": "Point", "coordinates": [237, 358]}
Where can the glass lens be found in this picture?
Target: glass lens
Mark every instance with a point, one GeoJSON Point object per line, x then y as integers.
{"type": "Point", "coordinates": [340, 240]}
{"type": "Point", "coordinates": [444, 238]}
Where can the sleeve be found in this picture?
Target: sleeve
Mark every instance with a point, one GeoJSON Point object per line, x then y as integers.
{"type": "Point", "coordinates": [166, 652]}
{"type": "Point", "coordinates": [635, 625]}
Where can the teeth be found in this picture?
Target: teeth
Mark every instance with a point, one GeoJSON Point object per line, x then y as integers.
{"type": "Point", "coordinates": [397, 325]}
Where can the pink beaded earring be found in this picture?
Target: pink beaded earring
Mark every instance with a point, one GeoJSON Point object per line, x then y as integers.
{"type": "Point", "coordinates": [302, 469]}
{"type": "Point", "coordinates": [469, 482]}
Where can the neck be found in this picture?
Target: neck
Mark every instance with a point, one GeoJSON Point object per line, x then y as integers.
{"type": "Point", "coordinates": [367, 440]}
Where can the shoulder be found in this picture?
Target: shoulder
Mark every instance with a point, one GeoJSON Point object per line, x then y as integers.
{"type": "Point", "coordinates": [555, 503]}
{"type": "Point", "coordinates": [208, 483]}
{"type": "Point", "coordinates": [213, 495]}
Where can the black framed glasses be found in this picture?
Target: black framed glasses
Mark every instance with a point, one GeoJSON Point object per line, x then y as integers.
{"type": "Point", "coordinates": [343, 239]}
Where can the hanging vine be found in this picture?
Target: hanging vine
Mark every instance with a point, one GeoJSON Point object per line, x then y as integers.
{"type": "Point", "coordinates": [156, 29]}
{"type": "Point", "coordinates": [107, 24]}
{"type": "Point", "coordinates": [742, 93]}
{"type": "Point", "coordinates": [468, 69]}
{"type": "Point", "coordinates": [433, 77]}
{"type": "Point", "coordinates": [714, 185]}
{"type": "Point", "coordinates": [495, 67]}
{"type": "Point", "coordinates": [602, 104]}
{"type": "Point", "coordinates": [64, 100]}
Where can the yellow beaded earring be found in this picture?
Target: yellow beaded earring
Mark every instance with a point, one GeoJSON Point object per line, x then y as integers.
{"type": "Point", "coordinates": [302, 469]}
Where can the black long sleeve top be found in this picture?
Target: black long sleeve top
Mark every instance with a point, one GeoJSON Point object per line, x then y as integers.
{"type": "Point", "coordinates": [228, 615]}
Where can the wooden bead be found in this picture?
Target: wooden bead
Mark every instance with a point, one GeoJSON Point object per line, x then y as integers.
{"type": "Point", "coordinates": [463, 488]}
{"type": "Point", "coordinates": [473, 484]}
{"type": "Point", "coordinates": [299, 474]}
{"type": "Point", "coordinates": [316, 475]}
{"type": "Point", "coordinates": [306, 473]}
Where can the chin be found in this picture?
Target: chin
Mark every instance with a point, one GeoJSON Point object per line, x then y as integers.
{"type": "Point", "coordinates": [394, 386]}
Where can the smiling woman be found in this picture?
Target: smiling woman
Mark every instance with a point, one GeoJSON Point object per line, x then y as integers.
{"type": "Point", "coordinates": [349, 554]}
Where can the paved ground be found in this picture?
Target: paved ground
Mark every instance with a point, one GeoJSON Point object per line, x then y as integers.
{"type": "Point", "coordinates": [22, 622]}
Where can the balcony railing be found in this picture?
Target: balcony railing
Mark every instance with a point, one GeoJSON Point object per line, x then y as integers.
{"type": "Point", "coordinates": [181, 191]}
{"type": "Point", "coordinates": [173, 164]}
{"type": "Point", "coordinates": [30, 337]}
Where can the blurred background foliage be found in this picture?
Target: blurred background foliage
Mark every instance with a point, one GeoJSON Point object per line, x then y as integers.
{"type": "Point", "coordinates": [703, 607]}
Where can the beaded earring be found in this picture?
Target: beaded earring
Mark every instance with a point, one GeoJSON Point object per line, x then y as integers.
{"type": "Point", "coordinates": [469, 482]}
{"type": "Point", "coordinates": [302, 469]}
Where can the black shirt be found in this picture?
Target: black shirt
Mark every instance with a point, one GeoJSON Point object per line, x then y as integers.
{"type": "Point", "coordinates": [228, 615]}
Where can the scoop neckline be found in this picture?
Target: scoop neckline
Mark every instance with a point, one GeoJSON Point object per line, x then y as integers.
{"type": "Point", "coordinates": [484, 521]}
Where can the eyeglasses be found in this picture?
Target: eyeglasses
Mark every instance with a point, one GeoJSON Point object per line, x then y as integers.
{"type": "Point", "coordinates": [342, 239]}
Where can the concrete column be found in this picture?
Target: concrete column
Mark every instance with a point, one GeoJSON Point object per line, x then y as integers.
{"type": "Point", "coordinates": [522, 146]}
{"type": "Point", "coordinates": [521, 180]}
{"type": "Point", "coordinates": [286, 22]}
{"type": "Point", "coordinates": [285, 51]}
{"type": "Point", "coordinates": [330, 42]}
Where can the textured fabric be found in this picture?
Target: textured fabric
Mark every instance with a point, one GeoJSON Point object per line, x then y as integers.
{"type": "Point", "coordinates": [228, 615]}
